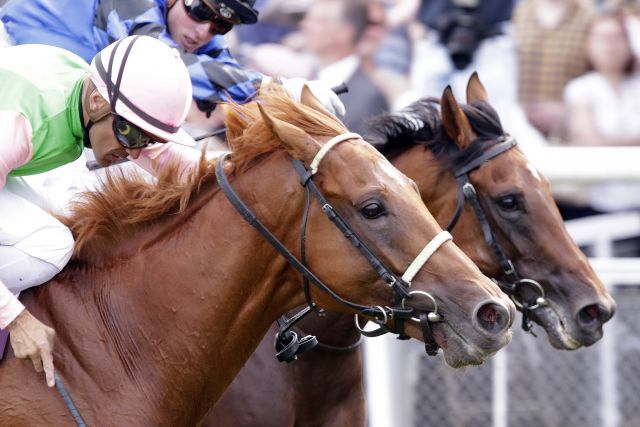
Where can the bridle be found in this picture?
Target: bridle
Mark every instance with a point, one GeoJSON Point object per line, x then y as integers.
{"type": "Point", "coordinates": [286, 342]}
{"type": "Point", "coordinates": [511, 284]}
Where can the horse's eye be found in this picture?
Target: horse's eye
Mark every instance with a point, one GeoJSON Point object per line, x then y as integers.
{"type": "Point", "coordinates": [372, 210]}
{"type": "Point", "coordinates": [508, 203]}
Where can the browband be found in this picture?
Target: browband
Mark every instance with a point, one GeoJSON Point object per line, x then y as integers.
{"type": "Point", "coordinates": [328, 146]}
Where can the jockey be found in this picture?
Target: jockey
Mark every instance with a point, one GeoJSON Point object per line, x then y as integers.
{"type": "Point", "coordinates": [195, 27]}
{"type": "Point", "coordinates": [130, 102]}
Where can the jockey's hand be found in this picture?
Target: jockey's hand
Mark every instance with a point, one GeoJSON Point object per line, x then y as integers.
{"type": "Point", "coordinates": [33, 339]}
{"type": "Point", "coordinates": [319, 89]}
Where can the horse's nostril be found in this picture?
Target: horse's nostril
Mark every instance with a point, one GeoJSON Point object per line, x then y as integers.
{"type": "Point", "coordinates": [592, 311]}
{"type": "Point", "coordinates": [593, 315]}
{"type": "Point", "coordinates": [492, 317]}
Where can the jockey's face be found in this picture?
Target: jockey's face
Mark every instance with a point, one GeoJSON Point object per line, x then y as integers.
{"type": "Point", "coordinates": [188, 33]}
{"type": "Point", "coordinates": [106, 147]}
{"type": "Point", "coordinates": [104, 143]}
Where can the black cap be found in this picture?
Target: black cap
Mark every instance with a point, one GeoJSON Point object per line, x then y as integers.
{"type": "Point", "coordinates": [244, 9]}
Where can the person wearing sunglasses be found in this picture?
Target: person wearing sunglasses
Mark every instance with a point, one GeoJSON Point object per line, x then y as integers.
{"type": "Point", "coordinates": [195, 27]}
{"type": "Point", "coordinates": [130, 102]}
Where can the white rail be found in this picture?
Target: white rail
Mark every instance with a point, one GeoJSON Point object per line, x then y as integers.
{"type": "Point", "coordinates": [586, 165]}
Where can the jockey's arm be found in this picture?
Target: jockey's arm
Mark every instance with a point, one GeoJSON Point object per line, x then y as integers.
{"type": "Point", "coordinates": [29, 337]}
{"type": "Point", "coordinates": [15, 151]}
{"type": "Point", "coordinates": [15, 143]}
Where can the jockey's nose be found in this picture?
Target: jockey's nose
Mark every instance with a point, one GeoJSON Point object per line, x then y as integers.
{"type": "Point", "coordinates": [203, 29]}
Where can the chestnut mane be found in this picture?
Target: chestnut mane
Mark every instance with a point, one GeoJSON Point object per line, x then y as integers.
{"type": "Point", "coordinates": [126, 203]}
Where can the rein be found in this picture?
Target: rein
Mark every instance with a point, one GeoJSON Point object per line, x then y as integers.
{"type": "Point", "coordinates": [68, 402]}
{"type": "Point", "coordinates": [286, 341]}
{"type": "Point", "coordinates": [512, 284]}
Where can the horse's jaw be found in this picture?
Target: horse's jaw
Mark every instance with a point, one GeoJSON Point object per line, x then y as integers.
{"type": "Point", "coordinates": [559, 327]}
{"type": "Point", "coordinates": [459, 351]}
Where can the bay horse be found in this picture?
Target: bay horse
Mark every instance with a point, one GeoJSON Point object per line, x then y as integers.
{"type": "Point", "coordinates": [170, 290]}
{"type": "Point", "coordinates": [325, 387]}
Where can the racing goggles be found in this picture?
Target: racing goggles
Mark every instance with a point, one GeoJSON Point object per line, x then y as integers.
{"type": "Point", "coordinates": [221, 16]}
{"type": "Point", "coordinates": [130, 135]}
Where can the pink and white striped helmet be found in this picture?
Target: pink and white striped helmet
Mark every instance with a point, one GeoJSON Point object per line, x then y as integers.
{"type": "Point", "coordinates": [147, 83]}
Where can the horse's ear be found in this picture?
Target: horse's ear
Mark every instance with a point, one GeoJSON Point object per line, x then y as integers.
{"type": "Point", "coordinates": [296, 141]}
{"type": "Point", "coordinates": [309, 99]}
{"type": "Point", "coordinates": [454, 121]}
{"type": "Point", "coordinates": [476, 90]}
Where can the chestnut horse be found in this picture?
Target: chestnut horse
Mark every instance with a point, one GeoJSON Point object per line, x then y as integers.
{"type": "Point", "coordinates": [170, 290]}
{"type": "Point", "coordinates": [324, 387]}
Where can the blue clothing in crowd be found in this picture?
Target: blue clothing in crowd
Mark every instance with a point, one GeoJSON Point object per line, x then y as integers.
{"type": "Point", "coordinates": [87, 26]}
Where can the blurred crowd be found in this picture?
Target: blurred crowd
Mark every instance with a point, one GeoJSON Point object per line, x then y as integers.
{"type": "Point", "coordinates": [557, 71]}
{"type": "Point", "coordinates": [561, 72]}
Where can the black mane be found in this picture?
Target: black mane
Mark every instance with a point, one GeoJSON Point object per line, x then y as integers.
{"type": "Point", "coordinates": [420, 123]}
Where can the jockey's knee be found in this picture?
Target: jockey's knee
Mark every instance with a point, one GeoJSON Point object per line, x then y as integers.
{"type": "Point", "coordinates": [59, 244]}
{"type": "Point", "coordinates": [37, 258]}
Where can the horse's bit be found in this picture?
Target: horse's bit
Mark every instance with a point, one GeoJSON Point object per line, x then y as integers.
{"type": "Point", "coordinates": [286, 342]}
{"type": "Point", "coordinates": [513, 284]}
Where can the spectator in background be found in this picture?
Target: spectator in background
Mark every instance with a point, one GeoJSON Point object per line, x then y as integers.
{"type": "Point", "coordinates": [550, 36]}
{"type": "Point", "coordinates": [274, 45]}
{"type": "Point", "coordinates": [462, 37]}
{"type": "Point", "coordinates": [387, 45]}
{"type": "Point", "coordinates": [332, 30]}
{"type": "Point", "coordinates": [633, 28]}
{"type": "Point", "coordinates": [603, 107]}
{"type": "Point", "coordinates": [278, 18]}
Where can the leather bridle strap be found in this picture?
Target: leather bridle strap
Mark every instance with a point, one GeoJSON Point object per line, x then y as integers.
{"type": "Point", "coordinates": [467, 192]}
{"type": "Point", "coordinates": [68, 402]}
{"type": "Point", "coordinates": [250, 217]}
{"type": "Point", "coordinates": [487, 155]}
{"type": "Point", "coordinates": [475, 163]}
{"type": "Point", "coordinates": [425, 254]}
{"type": "Point", "coordinates": [400, 287]}
{"type": "Point", "coordinates": [328, 146]}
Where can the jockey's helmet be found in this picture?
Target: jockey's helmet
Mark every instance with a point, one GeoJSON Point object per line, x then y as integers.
{"type": "Point", "coordinates": [145, 82]}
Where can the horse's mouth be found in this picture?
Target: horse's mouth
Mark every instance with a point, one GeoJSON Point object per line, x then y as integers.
{"type": "Point", "coordinates": [557, 327]}
{"type": "Point", "coordinates": [460, 351]}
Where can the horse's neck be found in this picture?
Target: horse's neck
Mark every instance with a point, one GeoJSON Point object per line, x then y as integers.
{"type": "Point", "coordinates": [174, 323]}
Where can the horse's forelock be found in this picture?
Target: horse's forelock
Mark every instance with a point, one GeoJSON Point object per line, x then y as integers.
{"type": "Point", "coordinates": [484, 119]}
{"type": "Point", "coordinates": [488, 129]}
